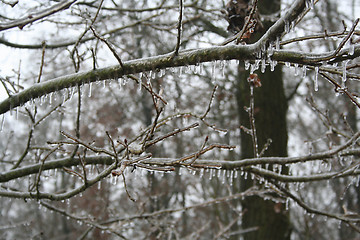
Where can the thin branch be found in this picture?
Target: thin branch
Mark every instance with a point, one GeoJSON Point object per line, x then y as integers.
{"type": "Point", "coordinates": [42, 61]}
{"type": "Point", "coordinates": [22, 22]}
{"type": "Point", "coordinates": [112, 49]}
{"type": "Point", "coordinates": [246, 26]}
{"type": "Point", "coordinates": [179, 28]}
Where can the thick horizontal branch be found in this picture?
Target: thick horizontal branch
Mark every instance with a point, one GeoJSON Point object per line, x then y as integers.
{"type": "Point", "coordinates": [199, 163]}
{"type": "Point", "coordinates": [194, 57]}
{"type": "Point", "coordinates": [184, 58]}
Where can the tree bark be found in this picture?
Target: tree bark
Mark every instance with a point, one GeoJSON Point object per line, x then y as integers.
{"type": "Point", "coordinates": [270, 111]}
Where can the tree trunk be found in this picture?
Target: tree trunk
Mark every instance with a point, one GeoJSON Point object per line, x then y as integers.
{"type": "Point", "coordinates": [270, 111]}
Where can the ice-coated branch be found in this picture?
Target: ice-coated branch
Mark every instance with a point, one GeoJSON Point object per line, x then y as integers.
{"type": "Point", "coordinates": [22, 22]}
{"type": "Point", "coordinates": [185, 58]}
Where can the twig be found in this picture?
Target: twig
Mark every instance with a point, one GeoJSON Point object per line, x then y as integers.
{"type": "Point", "coordinates": [112, 49]}
{"type": "Point", "coordinates": [42, 61]}
{"type": "Point", "coordinates": [210, 102]}
{"type": "Point", "coordinates": [126, 189]}
{"type": "Point", "coordinates": [245, 28]}
{"type": "Point", "coordinates": [94, 149]}
{"type": "Point", "coordinates": [251, 112]}
{"type": "Point", "coordinates": [173, 133]}
{"type": "Point", "coordinates": [21, 23]}
{"type": "Point", "coordinates": [179, 28]}
{"type": "Point", "coordinates": [339, 88]}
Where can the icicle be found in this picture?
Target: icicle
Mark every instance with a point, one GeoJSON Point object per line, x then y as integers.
{"type": "Point", "coordinates": [50, 96]}
{"type": "Point", "coordinates": [312, 3]}
{"type": "Point", "coordinates": [180, 71]}
{"type": "Point", "coordinates": [213, 72]}
{"type": "Point", "coordinates": [201, 68]}
{"type": "Point", "coordinates": [162, 72]}
{"type": "Point", "coordinates": [287, 64]}
{"type": "Point", "coordinates": [263, 65]}
{"type": "Point", "coordinates": [140, 83]}
{"type": "Point", "coordinates": [287, 26]}
{"type": "Point", "coordinates": [287, 203]}
{"type": "Point", "coordinates": [201, 173]}
{"type": "Point", "coordinates": [316, 84]}
{"type": "Point", "coordinates": [351, 49]}
{"type": "Point", "coordinates": [223, 178]}
{"type": "Point", "coordinates": [222, 68]}
{"type": "Point", "coordinates": [90, 85]}
{"type": "Point", "coordinates": [236, 174]}
{"type": "Point", "coordinates": [273, 63]}
{"type": "Point", "coordinates": [292, 26]}
{"type": "Point", "coordinates": [344, 73]}
{"type": "Point", "coordinates": [270, 51]}
{"type": "Point", "coordinates": [210, 174]}
{"type": "Point", "coordinates": [247, 64]}
{"type": "Point", "coordinates": [231, 177]}
{"type": "Point", "coordinates": [304, 71]}
{"type": "Point", "coordinates": [277, 43]}
{"type": "Point", "coordinates": [252, 68]}
{"type": "Point", "coordinates": [296, 66]}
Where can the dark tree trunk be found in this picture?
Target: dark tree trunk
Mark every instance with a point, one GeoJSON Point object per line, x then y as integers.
{"type": "Point", "coordinates": [270, 111]}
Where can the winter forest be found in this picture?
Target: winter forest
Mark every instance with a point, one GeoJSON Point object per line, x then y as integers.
{"type": "Point", "coordinates": [180, 119]}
